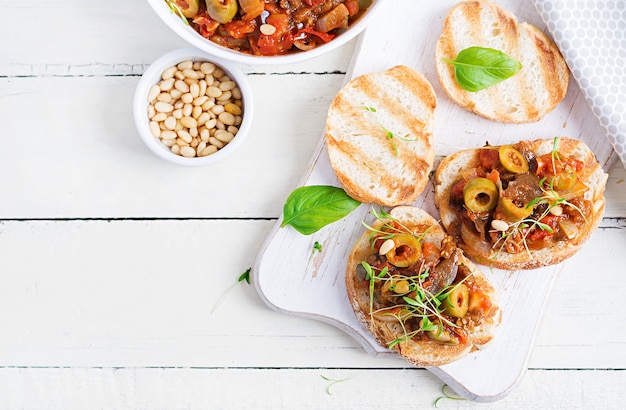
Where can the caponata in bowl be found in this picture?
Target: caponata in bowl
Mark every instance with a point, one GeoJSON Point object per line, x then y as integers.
{"type": "Point", "coordinates": [280, 31]}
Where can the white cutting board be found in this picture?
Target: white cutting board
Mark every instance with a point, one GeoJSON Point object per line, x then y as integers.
{"type": "Point", "coordinates": [293, 278]}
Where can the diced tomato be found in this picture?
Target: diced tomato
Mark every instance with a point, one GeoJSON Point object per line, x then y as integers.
{"type": "Point", "coordinates": [240, 28]}
{"type": "Point", "coordinates": [538, 234]}
{"type": "Point", "coordinates": [489, 158]}
{"type": "Point", "coordinates": [431, 253]}
{"type": "Point", "coordinates": [352, 6]}
{"type": "Point", "coordinates": [281, 41]}
{"type": "Point", "coordinates": [325, 37]}
{"type": "Point", "coordinates": [494, 176]}
{"type": "Point", "coordinates": [206, 25]}
{"type": "Point", "coordinates": [546, 166]}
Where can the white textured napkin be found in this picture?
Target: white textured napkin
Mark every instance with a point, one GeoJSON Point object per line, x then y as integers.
{"type": "Point", "coordinates": [591, 35]}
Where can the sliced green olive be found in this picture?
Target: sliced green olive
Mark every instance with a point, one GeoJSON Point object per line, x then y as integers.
{"type": "Point", "coordinates": [512, 160]}
{"type": "Point", "coordinates": [222, 11]}
{"type": "Point", "coordinates": [441, 335]}
{"type": "Point", "coordinates": [564, 181]}
{"type": "Point", "coordinates": [480, 195]}
{"type": "Point", "coordinates": [513, 211]}
{"type": "Point", "coordinates": [189, 8]}
{"type": "Point", "coordinates": [406, 251]}
{"type": "Point", "coordinates": [457, 301]}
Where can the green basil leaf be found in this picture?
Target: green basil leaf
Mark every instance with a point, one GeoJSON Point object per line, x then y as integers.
{"type": "Point", "coordinates": [309, 208]}
{"type": "Point", "coordinates": [477, 68]}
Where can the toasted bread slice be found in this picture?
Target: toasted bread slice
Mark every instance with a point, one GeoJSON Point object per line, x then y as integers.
{"type": "Point", "coordinates": [423, 349]}
{"type": "Point", "coordinates": [379, 136]}
{"type": "Point", "coordinates": [493, 250]}
{"type": "Point", "coordinates": [537, 88]}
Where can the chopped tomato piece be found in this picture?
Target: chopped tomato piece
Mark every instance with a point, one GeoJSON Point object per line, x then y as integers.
{"type": "Point", "coordinates": [240, 28]}
{"type": "Point", "coordinates": [352, 6]}
{"type": "Point", "coordinates": [325, 37]}
{"type": "Point", "coordinates": [489, 158]}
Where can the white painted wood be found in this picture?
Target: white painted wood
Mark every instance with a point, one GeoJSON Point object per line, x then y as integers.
{"type": "Point", "coordinates": [297, 389]}
{"type": "Point", "coordinates": [119, 313]}
{"type": "Point", "coordinates": [296, 283]}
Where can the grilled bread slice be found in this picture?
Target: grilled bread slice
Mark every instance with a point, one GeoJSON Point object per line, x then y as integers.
{"type": "Point", "coordinates": [537, 88]}
{"type": "Point", "coordinates": [568, 207]}
{"type": "Point", "coordinates": [430, 274]}
{"type": "Point", "coordinates": [379, 136]}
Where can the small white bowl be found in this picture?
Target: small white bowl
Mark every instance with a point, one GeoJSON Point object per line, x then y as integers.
{"type": "Point", "coordinates": [174, 22]}
{"type": "Point", "coordinates": [152, 76]}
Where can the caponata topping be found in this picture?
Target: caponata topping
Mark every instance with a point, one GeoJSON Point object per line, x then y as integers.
{"type": "Point", "coordinates": [512, 160]}
{"type": "Point", "coordinates": [457, 301]}
{"type": "Point", "coordinates": [480, 195]}
{"type": "Point", "coordinates": [405, 252]}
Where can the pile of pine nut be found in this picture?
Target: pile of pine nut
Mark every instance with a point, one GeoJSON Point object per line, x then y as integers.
{"type": "Point", "coordinates": [195, 109]}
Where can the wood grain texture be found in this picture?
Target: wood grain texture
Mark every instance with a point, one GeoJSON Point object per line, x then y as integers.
{"type": "Point", "coordinates": [116, 268]}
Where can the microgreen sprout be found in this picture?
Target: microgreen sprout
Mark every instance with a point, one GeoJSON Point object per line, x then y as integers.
{"type": "Point", "coordinates": [317, 246]}
{"type": "Point", "coordinates": [389, 134]}
{"type": "Point", "coordinates": [245, 276]}
{"type": "Point", "coordinates": [332, 383]}
{"type": "Point", "coordinates": [555, 154]}
{"type": "Point", "coordinates": [414, 305]}
{"type": "Point", "coordinates": [446, 395]}
{"type": "Point", "coordinates": [176, 10]}
{"type": "Point", "coordinates": [521, 229]}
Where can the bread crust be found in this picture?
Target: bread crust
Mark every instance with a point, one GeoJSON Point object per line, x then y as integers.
{"type": "Point", "coordinates": [592, 175]}
{"type": "Point", "coordinates": [422, 352]}
{"type": "Point", "coordinates": [379, 136]}
{"type": "Point", "coordinates": [539, 86]}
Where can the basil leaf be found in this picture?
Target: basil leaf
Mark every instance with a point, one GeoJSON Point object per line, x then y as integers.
{"type": "Point", "coordinates": [309, 208]}
{"type": "Point", "coordinates": [477, 68]}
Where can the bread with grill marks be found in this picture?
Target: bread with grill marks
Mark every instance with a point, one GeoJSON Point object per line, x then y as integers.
{"type": "Point", "coordinates": [526, 97]}
{"type": "Point", "coordinates": [379, 136]}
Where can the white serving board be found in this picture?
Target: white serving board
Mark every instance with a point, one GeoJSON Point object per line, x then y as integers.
{"type": "Point", "coordinates": [291, 277]}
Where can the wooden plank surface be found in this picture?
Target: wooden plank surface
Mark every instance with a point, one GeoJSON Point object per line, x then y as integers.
{"type": "Point", "coordinates": [115, 288]}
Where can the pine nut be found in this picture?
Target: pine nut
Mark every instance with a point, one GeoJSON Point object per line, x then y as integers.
{"type": "Point", "coordinates": [388, 245]}
{"type": "Point", "coordinates": [167, 84]}
{"type": "Point", "coordinates": [216, 142]}
{"type": "Point", "coordinates": [213, 91]}
{"type": "Point", "coordinates": [556, 210]}
{"type": "Point", "coordinates": [267, 29]}
{"type": "Point", "coordinates": [159, 116]}
{"type": "Point", "coordinates": [170, 123]}
{"type": "Point", "coordinates": [154, 92]}
{"type": "Point", "coordinates": [232, 108]}
{"type": "Point", "coordinates": [183, 112]}
{"type": "Point", "coordinates": [163, 107]}
{"type": "Point", "coordinates": [188, 152]}
{"type": "Point", "coordinates": [155, 129]}
{"type": "Point", "coordinates": [189, 122]}
{"type": "Point", "coordinates": [499, 225]}
{"type": "Point", "coordinates": [210, 149]}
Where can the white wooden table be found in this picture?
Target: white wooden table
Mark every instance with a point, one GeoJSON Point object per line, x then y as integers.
{"type": "Point", "coordinates": [118, 271]}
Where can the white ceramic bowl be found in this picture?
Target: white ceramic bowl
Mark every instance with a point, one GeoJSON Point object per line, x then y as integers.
{"type": "Point", "coordinates": [175, 23]}
{"type": "Point", "coordinates": [152, 75]}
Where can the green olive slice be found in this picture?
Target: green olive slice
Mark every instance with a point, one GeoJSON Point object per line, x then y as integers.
{"type": "Point", "coordinates": [457, 301]}
{"type": "Point", "coordinates": [512, 211]}
{"type": "Point", "coordinates": [512, 160]}
{"type": "Point", "coordinates": [480, 195]}
{"type": "Point", "coordinates": [406, 251]}
{"type": "Point", "coordinates": [564, 181]}
{"type": "Point", "coordinates": [189, 8]}
{"type": "Point", "coordinates": [222, 11]}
